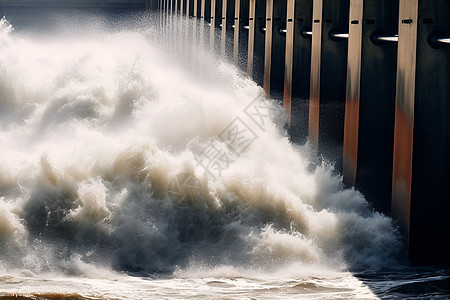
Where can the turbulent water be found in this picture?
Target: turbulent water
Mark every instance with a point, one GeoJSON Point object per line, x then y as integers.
{"type": "Point", "coordinates": [99, 119]}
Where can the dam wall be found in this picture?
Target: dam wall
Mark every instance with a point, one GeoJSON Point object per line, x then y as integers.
{"type": "Point", "coordinates": [366, 82]}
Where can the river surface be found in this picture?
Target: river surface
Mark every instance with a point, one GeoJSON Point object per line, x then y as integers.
{"type": "Point", "coordinates": [137, 164]}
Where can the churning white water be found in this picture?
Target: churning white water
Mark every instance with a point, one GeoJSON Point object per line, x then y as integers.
{"type": "Point", "coordinates": [94, 126]}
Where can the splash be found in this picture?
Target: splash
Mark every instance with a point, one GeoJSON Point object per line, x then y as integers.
{"type": "Point", "coordinates": [5, 26]}
{"type": "Point", "coordinates": [94, 128]}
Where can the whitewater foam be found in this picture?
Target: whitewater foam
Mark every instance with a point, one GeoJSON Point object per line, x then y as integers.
{"type": "Point", "coordinates": [92, 131]}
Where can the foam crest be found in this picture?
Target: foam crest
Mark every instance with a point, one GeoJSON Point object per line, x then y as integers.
{"type": "Point", "coordinates": [94, 130]}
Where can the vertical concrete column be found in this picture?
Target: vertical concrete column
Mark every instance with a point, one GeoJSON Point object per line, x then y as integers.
{"type": "Point", "coordinates": [256, 41]}
{"type": "Point", "coordinates": [275, 44]}
{"type": "Point", "coordinates": [160, 10]}
{"type": "Point", "coordinates": [168, 16]}
{"type": "Point", "coordinates": [268, 46]}
{"type": "Point", "coordinates": [278, 50]}
{"type": "Point", "coordinates": [327, 124]}
{"type": "Point", "coordinates": [182, 7]}
{"type": "Point", "coordinates": [237, 16]}
{"type": "Point", "coordinates": [224, 26]}
{"type": "Point", "coordinates": [202, 22]}
{"type": "Point", "coordinates": [241, 37]}
{"type": "Point", "coordinates": [217, 24]}
{"type": "Point", "coordinates": [194, 23]}
{"type": "Point", "coordinates": [352, 98]}
{"type": "Point", "coordinates": [187, 27]}
{"type": "Point", "coordinates": [421, 175]}
{"type": "Point", "coordinates": [206, 19]}
{"type": "Point", "coordinates": [161, 14]}
{"type": "Point", "coordinates": [297, 94]}
{"type": "Point", "coordinates": [404, 112]}
{"type": "Point", "coordinates": [164, 15]}
{"type": "Point", "coordinates": [228, 20]}
{"type": "Point", "coordinates": [289, 57]}
{"type": "Point", "coordinates": [251, 36]}
{"type": "Point", "coordinates": [316, 50]}
{"type": "Point", "coordinates": [369, 121]}
{"type": "Point", "coordinates": [213, 24]}
{"type": "Point", "coordinates": [202, 11]}
{"type": "Point", "coordinates": [171, 24]}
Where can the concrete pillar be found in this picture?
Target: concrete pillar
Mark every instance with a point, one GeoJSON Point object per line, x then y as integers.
{"type": "Point", "coordinates": [218, 23]}
{"type": "Point", "coordinates": [195, 14]}
{"type": "Point", "coordinates": [187, 26]}
{"type": "Point", "coordinates": [421, 166]}
{"type": "Point", "coordinates": [189, 8]}
{"type": "Point", "coordinates": [202, 22]}
{"type": "Point", "coordinates": [212, 25]}
{"type": "Point", "coordinates": [275, 47]}
{"type": "Point", "coordinates": [316, 50]}
{"type": "Point", "coordinates": [328, 78]}
{"type": "Point", "coordinates": [161, 14]}
{"type": "Point", "coordinates": [227, 40]}
{"type": "Point", "coordinates": [251, 36]}
{"type": "Point", "coordinates": [299, 96]}
{"type": "Point", "coordinates": [166, 16]}
{"type": "Point", "coordinates": [296, 77]}
{"type": "Point", "coordinates": [352, 99]}
{"type": "Point", "coordinates": [289, 58]}
{"type": "Point", "coordinates": [370, 100]}
{"type": "Point", "coordinates": [241, 26]}
{"type": "Point", "coordinates": [223, 35]}
{"type": "Point", "coordinates": [256, 40]}
{"type": "Point", "coordinates": [404, 112]}
{"type": "Point", "coordinates": [237, 17]}
{"type": "Point", "coordinates": [268, 46]}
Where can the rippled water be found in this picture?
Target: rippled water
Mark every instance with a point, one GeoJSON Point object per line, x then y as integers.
{"type": "Point", "coordinates": [226, 284]}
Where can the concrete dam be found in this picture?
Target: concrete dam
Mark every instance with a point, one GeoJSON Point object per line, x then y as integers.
{"type": "Point", "coordinates": [366, 82]}
{"type": "Point", "coordinates": [224, 149]}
